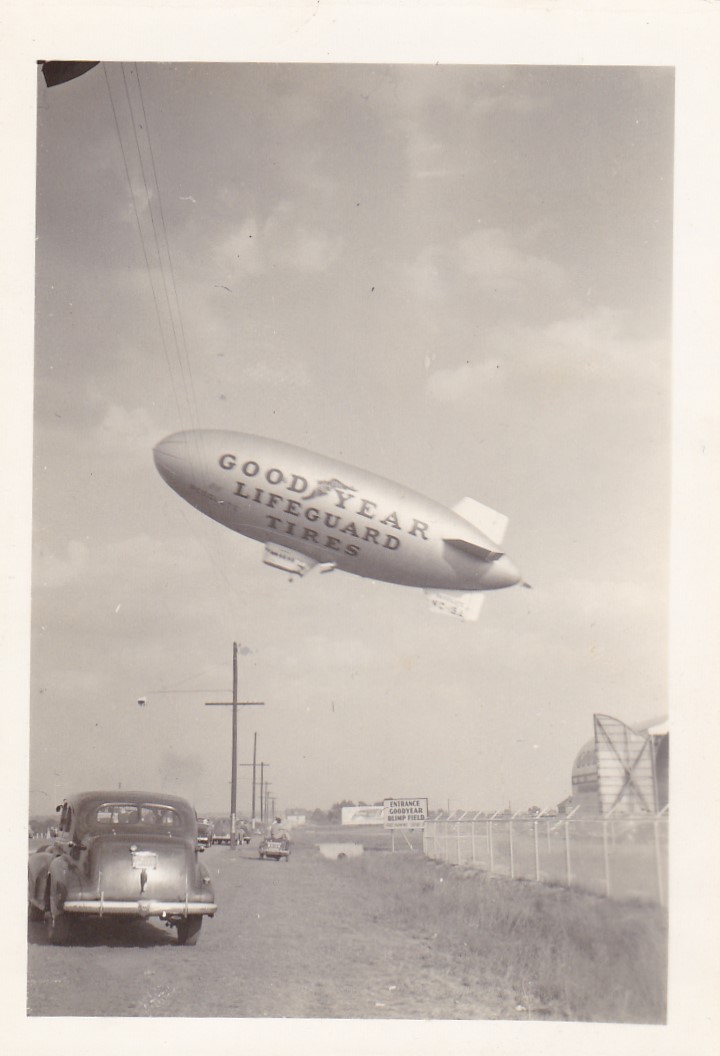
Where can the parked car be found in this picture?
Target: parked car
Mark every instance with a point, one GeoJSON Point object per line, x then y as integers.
{"type": "Point", "coordinates": [121, 854]}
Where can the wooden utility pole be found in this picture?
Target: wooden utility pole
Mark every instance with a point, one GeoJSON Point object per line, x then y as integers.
{"type": "Point", "coordinates": [254, 763]}
{"type": "Point", "coordinates": [233, 773]}
{"type": "Point", "coordinates": [263, 792]}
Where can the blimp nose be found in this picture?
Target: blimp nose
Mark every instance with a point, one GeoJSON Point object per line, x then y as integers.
{"type": "Point", "coordinates": [171, 457]}
{"type": "Point", "coordinates": [500, 573]}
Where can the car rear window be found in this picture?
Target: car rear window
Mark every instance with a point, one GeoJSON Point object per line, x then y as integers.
{"type": "Point", "coordinates": [142, 815]}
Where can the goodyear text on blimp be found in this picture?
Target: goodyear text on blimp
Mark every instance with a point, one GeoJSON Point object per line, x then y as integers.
{"type": "Point", "coordinates": [292, 516]}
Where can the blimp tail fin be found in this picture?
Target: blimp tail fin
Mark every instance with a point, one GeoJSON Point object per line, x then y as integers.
{"type": "Point", "coordinates": [464, 605]}
{"type": "Point", "coordinates": [488, 521]}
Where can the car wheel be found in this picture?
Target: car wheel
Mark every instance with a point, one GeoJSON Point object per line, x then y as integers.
{"type": "Point", "coordinates": [34, 913]}
{"type": "Point", "coordinates": [59, 928]}
{"type": "Point", "coordinates": [188, 931]}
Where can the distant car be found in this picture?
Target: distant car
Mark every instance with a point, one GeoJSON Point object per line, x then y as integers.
{"type": "Point", "coordinates": [225, 838]}
{"type": "Point", "coordinates": [206, 834]}
{"type": "Point", "coordinates": [121, 854]}
{"type": "Point", "coordinates": [275, 846]}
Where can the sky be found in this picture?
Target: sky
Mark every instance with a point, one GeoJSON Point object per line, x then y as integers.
{"type": "Point", "coordinates": [457, 277]}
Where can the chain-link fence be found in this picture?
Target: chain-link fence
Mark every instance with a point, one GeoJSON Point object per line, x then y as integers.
{"type": "Point", "coordinates": [624, 857]}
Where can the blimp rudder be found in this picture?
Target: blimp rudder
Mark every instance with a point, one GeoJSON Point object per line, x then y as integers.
{"type": "Point", "coordinates": [313, 512]}
{"type": "Point", "coordinates": [488, 521]}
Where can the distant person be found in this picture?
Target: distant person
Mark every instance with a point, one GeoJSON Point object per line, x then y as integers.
{"type": "Point", "coordinates": [277, 831]}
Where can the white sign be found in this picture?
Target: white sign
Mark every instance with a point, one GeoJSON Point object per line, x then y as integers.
{"type": "Point", "coordinates": [370, 815]}
{"type": "Point", "coordinates": [405, 813]}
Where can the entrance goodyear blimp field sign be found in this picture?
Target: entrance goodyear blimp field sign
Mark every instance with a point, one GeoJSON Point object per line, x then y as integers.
{"type": "Point", "coordinates": [405, 813]}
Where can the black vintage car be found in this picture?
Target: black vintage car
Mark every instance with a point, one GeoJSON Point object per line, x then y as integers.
{"type": "Point", "coordinates": [206, 834]}
{"type": "Point", "coordinates": [122, 854]}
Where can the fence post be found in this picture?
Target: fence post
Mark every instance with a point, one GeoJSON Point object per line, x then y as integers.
{"type": "Point", "coordinates": [567, 851]}
{"type": "Point", "coordinates": [607, 858]}
{"type": "Point", "coordinates": [512, 856]}
{"type": "Point", "coordinates": [658, 862]}
{"type": "Point", "coordinates": [567, 844]}
{"type": "Point", "coordinates": [492, 858]}
{"type": "Point", "coordinates": [537, 855]}
{"type": "Point", "coordinates": [472, 836]}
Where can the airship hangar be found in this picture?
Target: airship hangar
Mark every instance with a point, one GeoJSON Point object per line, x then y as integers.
{"type": "Point", "coordinates": [623, 770]}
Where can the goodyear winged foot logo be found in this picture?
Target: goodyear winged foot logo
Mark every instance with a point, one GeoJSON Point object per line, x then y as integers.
{"type": "Point", "coordinates": [345, 491]}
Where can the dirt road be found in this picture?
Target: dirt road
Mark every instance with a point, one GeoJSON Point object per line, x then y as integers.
{"type": "Point", "coordinates": [304, 939]}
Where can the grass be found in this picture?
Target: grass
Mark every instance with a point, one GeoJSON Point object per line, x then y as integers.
{"type": "Point", "coordinates": [547, 952]}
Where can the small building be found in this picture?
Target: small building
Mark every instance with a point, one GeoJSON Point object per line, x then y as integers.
{"type": "Point", "coordinates": [293, 821]}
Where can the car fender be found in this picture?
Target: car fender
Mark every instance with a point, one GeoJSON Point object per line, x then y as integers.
{"type": "Point", "coordinates": [38, 868]}
{"type": "Point", "coordinates": [65, 877]}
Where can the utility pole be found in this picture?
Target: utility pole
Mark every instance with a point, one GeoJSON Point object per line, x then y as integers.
{"type": "Point", "coordinates": [263, 794]}
{"type": "Point", "coordinates": [233, 774]}
{"type": "Point", "coordinates": [254, 763]}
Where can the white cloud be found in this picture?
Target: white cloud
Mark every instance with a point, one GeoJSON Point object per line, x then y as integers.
{"type": "Point", "coordinates": [590, 349]}
{"type": "Point", "coordinates": [448, 385]}
{"type": "Point", "coordinates": [345, 653]}
{"type": "Point", "coordinates": [310, 251]}
{"type": "Point", "coordinates": [57, 570]}
{"type": "Point", "coordinates": [499, 264]}
{"type": "Point", "coordinates": [427, 275]}
{"type": "Point", "coordinates": [240, 252]}
{"type": "Point", "coordinates": [96, 563]}
{"type": "Point", "coordinates": [294, 246]}
{"type": "Point", "coordinates": [292, 373]}
{"type": "Point", "coordinates": [129, 426]}
{"type": "Point", "coordinates": [282, 241]}
{"type": "Point", "coordinates": [610, 600]}
{"type": "Point", "coordinates": [492, 261]}
{"type": "Point", "coordinates": [595, 346]}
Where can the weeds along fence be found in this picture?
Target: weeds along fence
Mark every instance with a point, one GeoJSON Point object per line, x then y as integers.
{"type": "Point", "coordinates": [623, 857]}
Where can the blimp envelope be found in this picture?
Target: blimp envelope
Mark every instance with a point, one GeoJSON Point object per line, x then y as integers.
{"type": "Point", "coordinates": [314, 513]}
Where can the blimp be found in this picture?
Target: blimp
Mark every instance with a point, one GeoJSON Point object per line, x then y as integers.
{"type": "Point", "coordinates": [314, 513]}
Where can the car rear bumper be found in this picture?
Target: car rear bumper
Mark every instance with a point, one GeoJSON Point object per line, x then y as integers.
{"type": "Point", "coordinates": [140, 908]}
